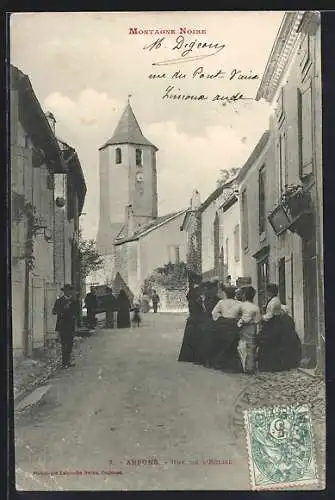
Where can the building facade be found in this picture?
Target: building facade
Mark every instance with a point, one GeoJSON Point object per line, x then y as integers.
{"type": "Point", "coordinates": [254, 195]}
{"type": "Point", "coordinates": [231, 236]}
{"type": "Point", "coordinates": [213, 262]}
{"type": "Point", "coordinates": [154, 245]}
{"type": "Point", "coordinates": [38, 266]}
{"type": "Point", "coordinates": [281, 184]}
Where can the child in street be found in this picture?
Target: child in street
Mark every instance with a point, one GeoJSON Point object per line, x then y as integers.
{"type": "Point", "coordinates": [136, 316]}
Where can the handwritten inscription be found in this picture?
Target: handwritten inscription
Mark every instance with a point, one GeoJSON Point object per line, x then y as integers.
{"type": "Point", "coordinates": [178, 95]}
{"type": "Point", "coordinates": [190, 49]}
{"type": "Point", "coordinates": [200, 74]}
{"type": "Point", "coordinates": [185, 49]}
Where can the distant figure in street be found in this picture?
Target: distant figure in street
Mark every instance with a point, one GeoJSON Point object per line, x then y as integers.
{"type": "Point", "coordinates": [279, 346]}
{"type": "Point", "coordinates": [123, 310]}
{"type": "Point", "coordinates": [91, 303]}
{"type": "Point", "coordinates": [66, 309]}
{"type": "Point", "coordinates": [248, 323]}
{"type": "Point", "coordinates": [110, 308]}
{"type": "Point", "coordinates": [155, 300]}
{"type": "Point", "coordinates": [136, 314]}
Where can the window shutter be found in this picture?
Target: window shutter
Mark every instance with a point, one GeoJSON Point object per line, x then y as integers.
{"type": "Point", "coordinates": [237, 242]}
{"type": "Point", "coordinates": [306, 130]}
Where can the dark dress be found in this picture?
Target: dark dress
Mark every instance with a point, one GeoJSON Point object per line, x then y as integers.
{"type": "Point", "coordinates": [123, 310]}
{"type": "Point", "coordinates": [91, 304]}
{"type": "Point", "coordinates": [207, 329]}
{"type": "Point", "coordinates": [66, 310]}
{"type": "Point", "coordinates": [110, 303]}
{"type": "Point", "coordinates": [191, 347]}
{"type": "Point", "coordinates": [224, 342]}
{"type": "Point", "coordinates": [279, 346]}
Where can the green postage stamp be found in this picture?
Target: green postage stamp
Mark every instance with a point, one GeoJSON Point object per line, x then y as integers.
{"type": "Point", "coordinates": [280, 447]}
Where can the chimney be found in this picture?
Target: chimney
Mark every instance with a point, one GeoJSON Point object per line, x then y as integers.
{"type": "Point", "coordinates": [52, 121]}
{"type": "Point", "coordinates": [195, 200]}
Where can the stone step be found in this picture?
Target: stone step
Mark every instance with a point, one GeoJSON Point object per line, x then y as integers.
{"type": "Point", "coordinates": [33, 398]}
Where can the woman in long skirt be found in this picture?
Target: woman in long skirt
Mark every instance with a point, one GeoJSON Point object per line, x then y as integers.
{"type": "Point", "coordinates": [225, 335]}
{"type": "Point", "coordinates": [191, 349]}
{"type": "Point", "coordinates": [249, 325]}
{"type": "Point", "coordinates": [211, 298]}
{"type": "Point", "coordinates": [279, 346]}
{"type": "Point", "coordinates": [123, 310]}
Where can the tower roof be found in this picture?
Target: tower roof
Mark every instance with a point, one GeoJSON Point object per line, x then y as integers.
{"type": "Point", "coordinates": [128, 131]}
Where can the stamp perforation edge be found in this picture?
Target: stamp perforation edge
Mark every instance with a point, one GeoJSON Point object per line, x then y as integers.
{"type": "Point", "coordinates": [280, 486]}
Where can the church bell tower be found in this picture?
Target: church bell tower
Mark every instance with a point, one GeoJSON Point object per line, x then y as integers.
{"type": "Point", "coordinates": [128, 182]}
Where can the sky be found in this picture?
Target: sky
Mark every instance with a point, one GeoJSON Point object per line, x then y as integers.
{"type": "Point", "coordinates": [83, 66]}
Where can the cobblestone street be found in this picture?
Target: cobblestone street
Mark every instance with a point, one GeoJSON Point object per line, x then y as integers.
{"type": "Point", "coordinates": [129, 398]}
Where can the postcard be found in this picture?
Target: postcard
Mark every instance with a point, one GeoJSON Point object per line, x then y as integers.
{"type": "Point", "coordinates": [167, 250]}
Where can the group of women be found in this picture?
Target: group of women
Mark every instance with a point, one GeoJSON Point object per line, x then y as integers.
{"type": "Point", "coordinates": [225, 330]}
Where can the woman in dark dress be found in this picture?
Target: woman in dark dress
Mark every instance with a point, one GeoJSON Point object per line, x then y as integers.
{"type": "Point", "coordinates": [190, 350]}
{"type": "Point", "coordinates": [225, 334]}
{"type": "Point", "coordinates": [123, 310]}
{"type": "Point", "coordinates": [279, 346]}
{"type": "Point", "coordinates": [208, 324]}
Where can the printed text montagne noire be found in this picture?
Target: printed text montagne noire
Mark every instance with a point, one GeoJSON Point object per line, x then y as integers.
{"type": "Point", "coordinates": [165, 31]}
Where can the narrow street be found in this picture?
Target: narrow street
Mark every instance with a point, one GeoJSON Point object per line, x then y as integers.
{"type": "Point", "coordinates": [128, 398]}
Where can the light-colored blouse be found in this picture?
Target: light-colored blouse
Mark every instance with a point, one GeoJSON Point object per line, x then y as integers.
{"type": "Point", "coordinates": [227, 308]}
{"type": "Point", "coordinates": [250, 314]}
{"type": "Point", "coordinates": [274, 308]}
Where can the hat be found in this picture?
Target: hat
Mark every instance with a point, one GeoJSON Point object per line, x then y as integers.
{"type": "Point", "coordinates": [67, 288]}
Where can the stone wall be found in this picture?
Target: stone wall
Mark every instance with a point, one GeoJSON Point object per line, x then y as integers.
{"type": "Point", "coordinates": [173, 300]}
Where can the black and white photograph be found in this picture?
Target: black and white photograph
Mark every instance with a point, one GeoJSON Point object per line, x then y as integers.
{"type": "Point", "coordinates": [167, 257]}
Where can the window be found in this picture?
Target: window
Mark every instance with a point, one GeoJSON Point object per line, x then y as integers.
{"type": "Point", "coordinates": [262, 281]}
{"type": "Point", "coordinates": [282, 281]}
{"type": "Point", "coordinates": [245, 236]}
{"type": "Point", "coordinates": [282, 160]}
{"type": "Point", "coordinates": [305, 130]}
{"type": "Point", "coordinates": [305, 56]}
{"type": "Point", "coordinates": [280, 107]}
{"type": "Point", "coordinates": [237, 242]}
{"type": "Point", "coordinates": [261, 201]}
{"type": "Point", "coordinates": [118, 156]}
{"type": "Point", "coordinates": [138, 157]}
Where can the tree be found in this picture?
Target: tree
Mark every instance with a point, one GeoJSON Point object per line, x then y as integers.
{"type": "Point", "coordinates": [90, 259]}
{"type": "Point", "coordinates": [169, 276]}
{"type": "Point", "coordinates": [226, 175]}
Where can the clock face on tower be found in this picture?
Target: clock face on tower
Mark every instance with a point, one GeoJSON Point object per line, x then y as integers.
{"type": "Point", "coordinates": [139, 177]}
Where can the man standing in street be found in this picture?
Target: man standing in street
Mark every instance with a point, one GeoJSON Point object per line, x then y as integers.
{"type": "Point", "coordinates": [91, 303]}
{"type": "Point", "coordinates": [155, 300]}
{"type": "Point", "coordinates": [66, 310]}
